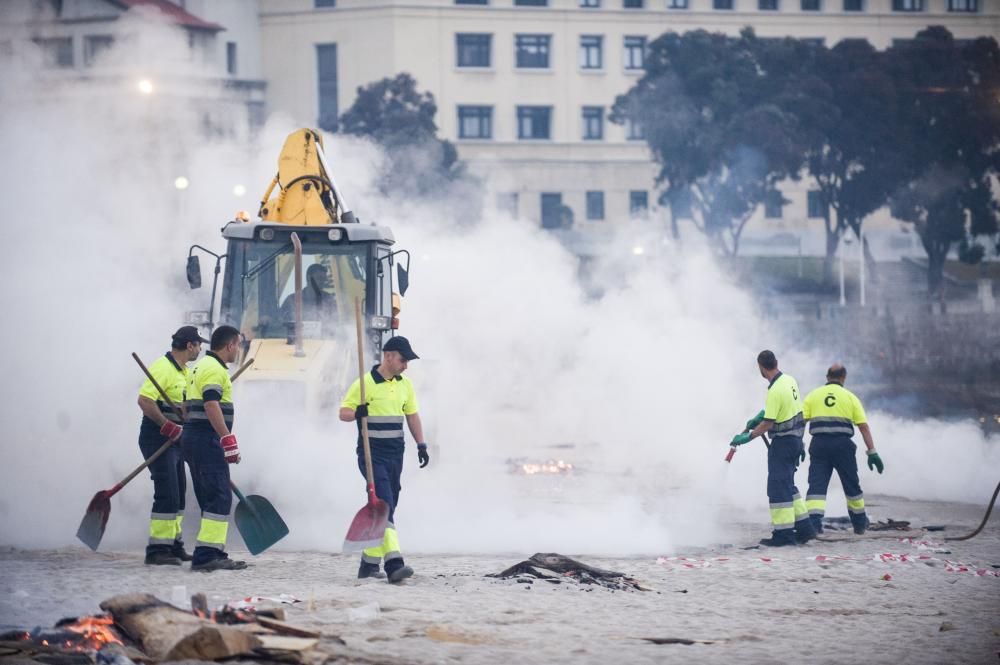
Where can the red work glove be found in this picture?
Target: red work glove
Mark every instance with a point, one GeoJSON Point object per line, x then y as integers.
{"type": "Point", "coordinates": [171, 430]}
{"type": "Point", "coordinates": [230, 448]}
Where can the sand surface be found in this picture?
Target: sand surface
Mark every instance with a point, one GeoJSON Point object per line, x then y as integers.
{"type": "Point", "coordinates": [792, 607]}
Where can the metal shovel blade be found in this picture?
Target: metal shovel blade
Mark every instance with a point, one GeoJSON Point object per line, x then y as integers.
{"type": "Point", "coordinates": [368, 528]}
{"type": "Point", "coordinates": [95, 520]}
{"type": "Point", "coordinates": [259, 523]}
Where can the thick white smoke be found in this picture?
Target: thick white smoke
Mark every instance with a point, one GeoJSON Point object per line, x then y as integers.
{"type": "Point", "coordinates": [641, 389]}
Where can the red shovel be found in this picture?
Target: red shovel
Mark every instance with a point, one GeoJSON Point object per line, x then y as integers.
{"type": "Point", "coordinates": [368, 528]}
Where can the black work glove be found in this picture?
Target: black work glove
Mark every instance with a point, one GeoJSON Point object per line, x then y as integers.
{"type": "Point", "coordinates": [422, 455]}
{"type": "Point", "coordinates": [361, 412]}
{"type": "Point", "coordinates": [802, 455]}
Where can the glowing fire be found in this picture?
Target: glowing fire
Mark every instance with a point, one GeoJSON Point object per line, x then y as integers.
{"type": "Point", "coordinates": [549, 467]}
{"type": "Point", "coordinates": [84, 634]}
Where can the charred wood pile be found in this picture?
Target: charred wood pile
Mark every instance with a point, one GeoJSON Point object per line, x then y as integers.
{"type": "Point", "coordinates": [559, 569]}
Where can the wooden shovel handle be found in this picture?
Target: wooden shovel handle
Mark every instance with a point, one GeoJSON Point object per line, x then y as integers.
{"type": "Point", "coordinates": [364, 399]}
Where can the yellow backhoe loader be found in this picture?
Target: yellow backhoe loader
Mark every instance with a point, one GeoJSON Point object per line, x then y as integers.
{"type": "Point", "coordinates": [290, 279]}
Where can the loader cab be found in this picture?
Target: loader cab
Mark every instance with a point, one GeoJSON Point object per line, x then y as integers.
{"type": "Point", "coordinates": [339, 262]}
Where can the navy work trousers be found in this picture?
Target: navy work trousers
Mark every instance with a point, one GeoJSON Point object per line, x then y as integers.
{"type": "Point", "coordinates": [167, 472]}
{"type": "Point", "coordinates": [789, 516]}
{"type": "Point", "coordinates": [387, 467]}
{"type": "Point", "coordinates": [829, 453]}
{"type": "Point", "coordinates": [210, 477]}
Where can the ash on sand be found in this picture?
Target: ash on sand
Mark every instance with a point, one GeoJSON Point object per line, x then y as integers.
{"type": "Point", "coordinates": [559, 569]}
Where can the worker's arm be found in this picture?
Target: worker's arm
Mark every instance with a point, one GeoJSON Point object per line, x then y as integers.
{"type": "Point", "coordinates": [416, 427]}
{"type": "Point", "coordinates": [215, 418]}
{"type": "Point", "coordinates": [866, 434]}
{"type": "Point", "coordinates": [762, 428]}
{"type": "Point", "coordinates": [151, 410]}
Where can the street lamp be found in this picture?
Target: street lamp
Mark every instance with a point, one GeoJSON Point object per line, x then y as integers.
{"type": "Point", "coordinates": [145, 86]}
{"type": "Point", "coordinates": [181, 183]}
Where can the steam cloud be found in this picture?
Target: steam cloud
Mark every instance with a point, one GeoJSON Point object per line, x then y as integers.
{"type": "Point", "coordinates": [648, 383]}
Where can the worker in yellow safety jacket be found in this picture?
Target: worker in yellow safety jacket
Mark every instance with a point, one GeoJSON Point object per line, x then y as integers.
{"type": "Point", "coordinates": [782, 417]}
{"type": "Point", "coordinates": [391, 399]}
{"type": "Point", "coordinates": [210, 447]}
{"type": "Point", "coordinates": [833, 412]}
{"type": "Point", "coordinates": [159, 425]}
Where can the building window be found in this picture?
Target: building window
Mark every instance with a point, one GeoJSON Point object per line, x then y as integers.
{"type": "Point", "coordinates": [595, 205]}
{"type": "Point", "coordinates": [591, 52]}
{"type": "Point", "coordinates": [633, 130]}
{"type": "Point", "coordinates": [534, 122]}
{"type": "Point", "coordinates": [767, 5]}
{"type": "Point", "coordinates": [593, 123]}
{"type": "Point", "coordinates": [907, 5]}
{"type": "Point", "coordinates": [552, 210]}
{"type": "Point", "coordinates": [722, 4]}
{"type": "Point", "coordinates": [635, 52]}
{"type": "Point", "coordinates": [531, 3]}
{"type": "Point", "coordinates": [814, 203]}
{"type": "Point", "coordinates": [319, 4]}
{"type": "Point", "coordinates": [56, 52]}
{"type": "Point", "coordinates": [677, 4]}
{"type": "Point", "coordinates": [326, 71]}
{"type": "Point", "coordinates": [532, 51]}
{"type": "Point", "coordinates": [854, 5]}
{"type": "Point", "coordinates": [638, 202]}
{"type": "Point", "coordinates": [231, 58]}
{"type": "Point", "coordinates": [774, 205]}
{"type": "Point", "coordinates": [811, 5]}
{"type": "Point", "coordinates": [633, 4]}
{"type": "Point", "coordinates": [475, 122]}
{"type": "Point", "coordinates": [94, 46]}
{"type": "Point", "coordinates": [963, 5]}
{"type": "Point", "coordinates": [472, 50]}
{"type": "Point", "coordinates": [507, 203]}
{"type": "Point", "coordinates": [590, 3]}
{"type": "Point", "coordinates": [472, 2]}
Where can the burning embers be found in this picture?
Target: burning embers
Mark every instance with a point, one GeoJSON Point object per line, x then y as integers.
{"type": "Point", "coordinates": [77, 634]}
{"type": "Point", "coordinates": [524, 467]}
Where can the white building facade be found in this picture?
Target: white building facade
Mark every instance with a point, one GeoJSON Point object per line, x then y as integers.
{"type": "Point", "coordinates": [218, 71]}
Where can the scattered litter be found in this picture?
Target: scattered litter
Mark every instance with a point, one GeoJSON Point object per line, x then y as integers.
{"type": "Point", "coordinates": [251, 602]}
{"type": "Point", "coordinates": [364, 613]}
{"type": "Point", "coordinates": [887, 577]}
{"type": "Point", "coordinates": [889, 525]}
{"type": "Point", "coordinates": [559, 569]}
{"type": "Point", "coordinates": [946, 626]}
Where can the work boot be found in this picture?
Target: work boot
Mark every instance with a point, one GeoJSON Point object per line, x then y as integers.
{"type": "Point", "coordinates": [369, 570]}
{"type": "Point", "coordinates": [223, 563]}
{"type": "Point", "coordinates": [400, 574]}
{"type": "Point", "coordinates": [178, 551]}
{"type": "Point", "coordinates": [161, 558]}
{"type": "Point", "coordinates": [782, 538]}
{"type": "Point", "coordinates": [861, 527]}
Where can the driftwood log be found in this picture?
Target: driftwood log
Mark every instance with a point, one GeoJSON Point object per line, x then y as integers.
{"type": "Point", "coordinates": [167, 633]}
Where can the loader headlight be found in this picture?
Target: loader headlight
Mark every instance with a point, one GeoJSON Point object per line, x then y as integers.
{"type": "Point", "coordinates": [267, 234]}
{"type": "Point", "coordinates": [335, 235]}
{"type": "Point", "coordinates": [380, 322]}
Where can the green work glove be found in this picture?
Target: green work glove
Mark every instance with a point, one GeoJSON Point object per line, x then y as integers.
{"type": "Point", "coordinates": [740, 439]}
{"type": "Point", "coordinates": [756, 420]}
{"type": "Point", "coordinates": [874, 461]}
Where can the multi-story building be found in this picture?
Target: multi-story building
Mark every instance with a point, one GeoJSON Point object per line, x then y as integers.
{"type": "Point", "coordinates": [218, 72]}
{"type": "Point", "coordinates": [524, 87]}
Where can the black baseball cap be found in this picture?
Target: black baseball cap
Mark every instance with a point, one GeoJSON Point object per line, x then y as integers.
{"type": "Point", "coordinates": [187, 334]}
{"type": "Point", "coordinates": [402, 345]}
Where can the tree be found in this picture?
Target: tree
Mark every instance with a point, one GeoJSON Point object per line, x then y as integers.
{"type": "Point", "coordinates": [394, 114]}
{"type": "Point", "coordinates": [853, 156]}
{"type": "Point", "coordinates": [949, 124]}
{"type": "Point", "coordinates": [712, 111]}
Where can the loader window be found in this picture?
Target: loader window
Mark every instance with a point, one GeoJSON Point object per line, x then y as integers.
{"type": "Point", "coordinates": [263, 304]}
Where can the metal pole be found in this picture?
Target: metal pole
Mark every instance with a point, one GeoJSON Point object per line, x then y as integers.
{"type": "Point", "coordinates": [861, 256]}
{"type": "Point", "coordinates": [840, 260]}
{"type": "Point", "coordinates": [297, 245]}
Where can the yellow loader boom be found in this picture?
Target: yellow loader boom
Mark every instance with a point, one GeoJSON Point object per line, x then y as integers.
{"type": "Point", "coordinates": [307, 194]}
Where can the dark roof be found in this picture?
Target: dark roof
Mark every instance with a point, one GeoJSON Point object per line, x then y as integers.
{"type": "Point", "coordinates": [174, 13]}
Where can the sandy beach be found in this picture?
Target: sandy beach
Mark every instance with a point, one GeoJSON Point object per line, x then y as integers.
{"type": "Point", "coordinates": [886, 597]}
